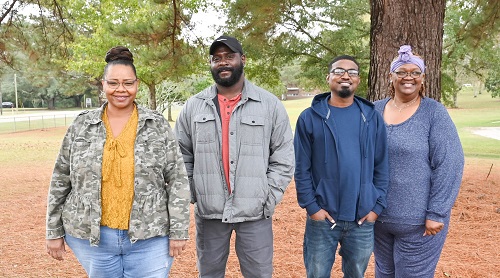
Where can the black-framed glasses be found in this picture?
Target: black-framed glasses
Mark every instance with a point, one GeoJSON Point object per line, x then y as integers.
{"type": "Point", "coordinates": [114, 84]}
{"type": "Point", "coordinates": [218, 58]}
{"type": "Point", "coordinates": [341, 71]}
{"type": "Point", "coordinates": [413, 74]}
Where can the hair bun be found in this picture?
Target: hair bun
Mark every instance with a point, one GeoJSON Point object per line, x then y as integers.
{"type": "Point", "coordinates": [119, 53]}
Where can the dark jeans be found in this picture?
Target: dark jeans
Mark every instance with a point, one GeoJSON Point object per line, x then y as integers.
{"type": "Point", "coordinates": [320, 246]}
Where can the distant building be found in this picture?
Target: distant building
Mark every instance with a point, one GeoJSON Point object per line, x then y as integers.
{"type": "Point", "coordinates": [295, 93]}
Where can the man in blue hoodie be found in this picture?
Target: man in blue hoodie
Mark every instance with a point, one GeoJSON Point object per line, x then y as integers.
{"type": "Point", "coordinates": [341, 173]}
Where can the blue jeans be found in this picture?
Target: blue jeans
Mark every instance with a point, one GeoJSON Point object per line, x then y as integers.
{"type": "Point", "coordinates": [320, 246]}
{"type": "Point", "coordinates": [117, 257]}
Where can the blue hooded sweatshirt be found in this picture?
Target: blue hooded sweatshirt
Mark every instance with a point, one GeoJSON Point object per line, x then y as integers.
{"type": "Point", "coordinates": [316, 154]}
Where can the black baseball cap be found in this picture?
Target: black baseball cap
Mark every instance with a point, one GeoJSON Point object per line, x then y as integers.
{"type": "Point", "coordinates": [230, 42]}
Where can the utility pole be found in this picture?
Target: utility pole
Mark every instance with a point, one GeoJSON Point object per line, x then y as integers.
{"type": "Point", "coordinates": [15, 89]}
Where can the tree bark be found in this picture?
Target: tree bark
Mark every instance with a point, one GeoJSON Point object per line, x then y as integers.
{"type": "Point", "coordinates": [78, 100]}
{"type": "Point", "coordinates": [394, 23]}
{"type": "Point", "coordinates": [51, 103]}
{"type": "Point", "coordinates": [169, 112]}
{"type": "Point", "coordinates": [152, 96]}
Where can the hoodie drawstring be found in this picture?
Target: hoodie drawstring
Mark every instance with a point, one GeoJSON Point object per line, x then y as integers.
{"type": "Point", "coordinates": [324, 135]}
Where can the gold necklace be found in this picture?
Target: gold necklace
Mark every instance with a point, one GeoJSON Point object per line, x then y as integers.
{"type": "Point", "coordinates": [406, 105]}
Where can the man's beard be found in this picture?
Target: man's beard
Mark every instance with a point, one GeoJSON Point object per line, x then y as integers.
{"type": "Point", "coordinates": [236, 73]}
{"type": "Point", "coordinates": [345, 93]}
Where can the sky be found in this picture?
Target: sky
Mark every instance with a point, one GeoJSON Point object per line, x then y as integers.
{"type": "Point", "coordinates": [205, 22]}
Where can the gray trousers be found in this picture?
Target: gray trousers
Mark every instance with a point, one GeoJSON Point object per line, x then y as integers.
{"type": "Point", "coordinates": [253, 245]}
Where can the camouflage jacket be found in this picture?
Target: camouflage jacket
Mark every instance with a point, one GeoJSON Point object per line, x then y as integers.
{"type": "Point", "coordinates": [161, 188]}
{"type": "Point", "coordinates": [261, 154]}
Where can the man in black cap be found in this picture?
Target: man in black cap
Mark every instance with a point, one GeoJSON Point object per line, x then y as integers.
{"type": "Point", "coordinates": [238, 149]}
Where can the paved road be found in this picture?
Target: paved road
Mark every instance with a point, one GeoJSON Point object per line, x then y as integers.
{"type": "Point", "coordinates": [8, 116]}
{"type": "Point", "coordinates": [490, 132]}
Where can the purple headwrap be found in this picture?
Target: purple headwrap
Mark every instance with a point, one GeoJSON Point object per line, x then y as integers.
{"type": "Point", "coordinates": [406, 57]}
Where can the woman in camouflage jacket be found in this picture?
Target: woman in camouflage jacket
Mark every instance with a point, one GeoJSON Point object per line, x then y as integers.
{"type": "Point", "coordinates": [99, 195]}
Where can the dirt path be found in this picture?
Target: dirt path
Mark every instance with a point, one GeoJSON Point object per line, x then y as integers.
{"type": "Point", "coordinates": [490, 132]}
{"type": "Point", "coordinates": [471, 249]}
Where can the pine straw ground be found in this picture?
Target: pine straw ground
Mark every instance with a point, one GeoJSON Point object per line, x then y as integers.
{"type": "Point", "coordinates": [471, 250]}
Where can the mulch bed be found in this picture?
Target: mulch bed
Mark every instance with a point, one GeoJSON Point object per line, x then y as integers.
{"type": "Point", "coordinates": [471, 249]}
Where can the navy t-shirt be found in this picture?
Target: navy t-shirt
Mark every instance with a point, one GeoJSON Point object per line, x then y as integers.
{"type": "Point", "coordinates": [347, 121]}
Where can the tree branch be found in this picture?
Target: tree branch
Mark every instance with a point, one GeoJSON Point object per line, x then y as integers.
{"type": "Point", "coordinates": [7, 9]}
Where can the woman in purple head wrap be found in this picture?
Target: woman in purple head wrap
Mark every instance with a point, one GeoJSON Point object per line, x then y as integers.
{"type": "Point", "coordinates": [425, 172]}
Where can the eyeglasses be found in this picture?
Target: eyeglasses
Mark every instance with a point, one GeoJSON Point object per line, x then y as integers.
{"type": "Point", "coordinates": [115, 84]}
{"type": "Point", "coordinates": [341, 71]}
{"type": "Point", "coordinates": [217, 59]}
{"type": "Point", "coordinates": [413, 74]}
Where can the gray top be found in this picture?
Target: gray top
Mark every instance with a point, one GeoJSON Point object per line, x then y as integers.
{"type": "Point", "coordinates": [426, 163]}
{"type": "Point", "coordinates": [261, 155]}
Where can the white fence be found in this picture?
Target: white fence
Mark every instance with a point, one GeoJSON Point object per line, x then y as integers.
{"type": "Point", "coordinates": [34, 121]}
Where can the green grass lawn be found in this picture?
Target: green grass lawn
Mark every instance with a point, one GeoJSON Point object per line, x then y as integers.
{"type": "Point", "coordinates": [37, 123]}
{"type": "Point", "coordinates": [40, 147]}
{"type": "Point", "coordinates": [473, 112]}
{"type": "Point", "coordinates": [481, 111]}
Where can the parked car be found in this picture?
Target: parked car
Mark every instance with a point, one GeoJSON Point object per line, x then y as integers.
{"type": "Point", "coordinates": [7, 104]}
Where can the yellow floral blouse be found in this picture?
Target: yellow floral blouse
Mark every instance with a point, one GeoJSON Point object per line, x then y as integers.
{"type": "Point", "coordinates": [117, 190]}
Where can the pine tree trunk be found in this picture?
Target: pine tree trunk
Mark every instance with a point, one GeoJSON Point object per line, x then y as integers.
{"type": "Point", "coordinates": [152, 97]}
{"type": "Point", "coordinates": [51, 103]}
{"type": "Point", "coordinates": [394, 23]}
{"type": "Point", "coordinates": [78, 100]}
{"type": "Point", "coordinates": [169, 112]}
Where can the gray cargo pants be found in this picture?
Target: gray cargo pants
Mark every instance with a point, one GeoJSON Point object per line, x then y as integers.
{"type": "Point", "coordinates": [253, 245]}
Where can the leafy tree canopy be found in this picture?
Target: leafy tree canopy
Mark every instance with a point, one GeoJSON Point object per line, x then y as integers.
{"type": "Point", "coordinates": [66, 41]}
